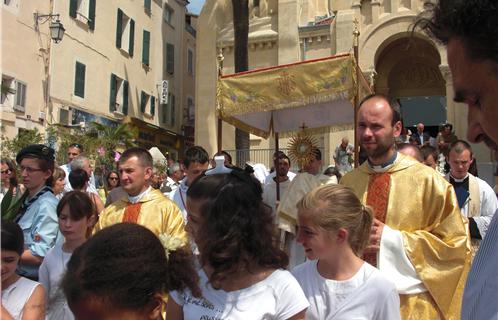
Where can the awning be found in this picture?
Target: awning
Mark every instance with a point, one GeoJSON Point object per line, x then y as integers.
{"type": "Point", "coordinates": [313, 94]}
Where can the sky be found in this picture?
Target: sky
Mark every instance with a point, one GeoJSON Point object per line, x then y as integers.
{"type": "Point", "coordinates": [195, 6]}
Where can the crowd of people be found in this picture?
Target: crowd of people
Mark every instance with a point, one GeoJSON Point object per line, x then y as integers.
{"type": "Point", "coordinates": [392, 239]}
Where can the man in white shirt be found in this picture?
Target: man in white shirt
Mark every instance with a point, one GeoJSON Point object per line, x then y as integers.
{"type": "Point", "coordinates": [73, 151]}
{"type": "Point", "coordinates": [196, 161]}
{"type": "Point", "coordinates": [175, 175]}
{"type": "Point", "coordinates": [81, 162]}
{"type": "Point", "coordinates": [476, 199]}
{"type": "Point", "coordinates": [269, 178]}
{"type": "Point", "coordinates": [270, 189]}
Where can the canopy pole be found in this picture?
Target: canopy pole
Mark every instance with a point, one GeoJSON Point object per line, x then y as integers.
{"type": "Point", "coordinates": [356, 35]}
{"type": "Point", "coordinates": [275, 166]}
{"type": "Point", "coordinates": [220, 58]}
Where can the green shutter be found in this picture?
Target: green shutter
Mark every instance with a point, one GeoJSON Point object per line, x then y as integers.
{"type": "Point", "coordinates": [143, 101]}
{"type": "Point", "coordinates": [112, 94]}
{"type": "Point", "coordinates": [147, 5]}
{"type": "Point", "coordinates": [132, 37]}
{"type": "Point", "coordinates": [73, 6]}
{"type": "Point", "coordinates": [119, 28]}
{"type": "Point", "coordinates": [146, 47]}
{"type": "Point", "coordinates": [79, 80]}
{"type": "Point", "coordinates": [173, 115]}
{"type": "Point", "coordinates": [170, 58]}
{"type": "Point", "coordinates": [125, 97]}
{"type": "Point", "coordinates": [91, 14]}
{"type": "Point", "coordinates": [152, 105]}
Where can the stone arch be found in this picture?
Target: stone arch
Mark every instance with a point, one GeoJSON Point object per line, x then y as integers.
{"type": "Point", "coordinates": [409, 66]}
{"type": "Point", "coordinates": [379, 36]}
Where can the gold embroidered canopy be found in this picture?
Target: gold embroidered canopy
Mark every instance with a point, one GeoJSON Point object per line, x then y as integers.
{"type": "Point", "coordinates": [317, 94]}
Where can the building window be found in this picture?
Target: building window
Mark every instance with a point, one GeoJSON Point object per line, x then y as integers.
{"type": "Point", "coordinates": [147, 104]}
{"type": "Point", "coordinates": [146, 47]}
{"type": "Point", "coordinates": [8, 90]}
{"type": "Point", "coordinates": [190, 62]}
{"type": "Point", "coordinates": [79, 80]}
{"type": "Point", "coordinates": [147, 6]}
{"type": "Point", "coordinates": [20, 96]}
{"type": "Point", "coordinates": [84, 11]}
{"type": "Point", "coordinates": [170, 58]}
{"type": "Point", "coordinates": [190, 109]}
{"type": "Point", "coordinates": [169, 111]}
{"type": "Point", "coordinates": [118, 100]}
{"type": "Point", "coordinates": [168, 14]}
{"type": "Point", "coordinates": [125, 33]}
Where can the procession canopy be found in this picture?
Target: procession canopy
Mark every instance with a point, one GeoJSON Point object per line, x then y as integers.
{"type": "Point", "coordinates": [318, 94]}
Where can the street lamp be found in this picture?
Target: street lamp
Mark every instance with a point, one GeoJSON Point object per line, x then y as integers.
{"type": "Point", "coordinates": [56, 27]}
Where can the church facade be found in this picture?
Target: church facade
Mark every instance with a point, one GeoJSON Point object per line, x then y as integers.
{"type": "Point", "coordinates": [397, 62]}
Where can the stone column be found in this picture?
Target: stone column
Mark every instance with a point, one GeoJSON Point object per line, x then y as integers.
{"type": "Point", "coordinates": [450, 104]}
{"type": "Point", "coordinates": [375, 11]}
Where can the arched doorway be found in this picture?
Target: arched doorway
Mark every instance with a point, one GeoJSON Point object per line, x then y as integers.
{"type": "Point", "coordinates": [408, 70]}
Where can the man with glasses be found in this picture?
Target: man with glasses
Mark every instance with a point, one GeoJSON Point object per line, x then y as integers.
{"type": "Point", "coordinates": [37, 215]}
{"type": "Point", "coordinates": [73, 151]}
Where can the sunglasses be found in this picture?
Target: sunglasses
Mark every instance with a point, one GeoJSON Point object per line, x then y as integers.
{"type": "Point", "coordinates": [113, 178]}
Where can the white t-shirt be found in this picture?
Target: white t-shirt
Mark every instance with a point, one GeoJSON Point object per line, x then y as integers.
{"type": "Point", "coordinates": [50, 274]}
{"type": "Point", "coordinates": [276, 297]}
{"type": "Point", "coordinates": [367, 295]}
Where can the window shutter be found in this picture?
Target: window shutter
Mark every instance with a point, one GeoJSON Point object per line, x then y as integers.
{"type": "Point", "coordinates": [152, 105]}
{"type": "Point", "coordinates": [79, 80]}
{"type": "Point", "coordinates": [73, 6]}
{"type": "Point", "coordinates": [132, 37]}
{"type": "Point", "coordinates": [145, 47]}
{"type": "Point", "coordinates": [91, 15]}
{"type": "Point", "coordinates": [173, 110]}
{"type": "Point", "coordinates": [119, 26]}
{"type": "Point", "coordinates": [147, 5]}
{"type": "Point", "coordinates": [170, 58]}
{"type": "Point", "coordinates": [112, 96]}
{"type": "Point", "coordinates": [125, 97]}
{"type": "Point", "coordinates": [143, 101]}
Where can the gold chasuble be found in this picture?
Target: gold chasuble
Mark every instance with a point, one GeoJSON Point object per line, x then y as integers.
{"type": "Point", "coordinates": [153, 211]}
{"type": "Point", "coordinates": [422, 205]}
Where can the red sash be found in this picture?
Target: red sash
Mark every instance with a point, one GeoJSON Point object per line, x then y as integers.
{"type": "Point", "coordinates": [377, 198]}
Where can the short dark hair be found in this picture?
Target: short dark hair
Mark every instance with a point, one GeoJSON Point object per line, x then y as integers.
{"type": "Point", "coordinates": [237, 226]}
{"type": "Point", "coordinates": [80, 205]}
{"type": "Point", "coordinates": [393, 104]}
{"type": "Point", "coordinates": [460, 146]}
{"type": "Point", "coordinates": [12, 237]}
{"type": "Point", "coordinates": [317, 153]}
{"type": "Point", "coordinates": [124, 266]}
{"type": "Point", "coordinates": [195, 154]}
{"type": "Point", "coordinates": [429, 151]}
{"type": "Point", "coordinates": [282, 155]}
{"type": "Point", "coordinates": [78, 179]}
{"type": "Point", "coordinates": [142, 154]}
{"type": "Point", "coordinates": [474, 22]}
{"type": "Point", "coordinates": [77, 146]}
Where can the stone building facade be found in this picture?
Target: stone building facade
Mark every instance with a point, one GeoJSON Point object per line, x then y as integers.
{"type": "Point", "coordinates": [397, 62]}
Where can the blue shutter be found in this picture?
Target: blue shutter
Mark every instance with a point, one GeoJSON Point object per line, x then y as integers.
{"type": "Point", "coordinates": [112, 94]}
{"type": "Point", "coordinates": [152, 105]}
{"type": "Point", "coordinates": [146, 47]}
{"type": "Point", "coordinates": [125, 97]}
{"type": "Point", "coordinates": [143, 101]}
{"type": "Point", "coordinates": [132, 37]}
{"type": "Point", "coordinates": [119, 28]}
{"type": "Point", "coordinates": [91, 15]}
{"type": "Point", "coordinates": [79, 80]}
{"type": "Point", "coordinates": [73, 6]}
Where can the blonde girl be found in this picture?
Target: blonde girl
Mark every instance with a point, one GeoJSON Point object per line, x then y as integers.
{"type": "Point", "coordinates": [334, 228]}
